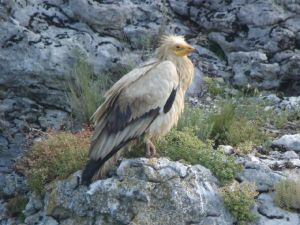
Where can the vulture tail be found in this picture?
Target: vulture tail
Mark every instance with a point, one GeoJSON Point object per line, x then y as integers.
{"type": "Point", "coordinates": [96, 169]}
{"type": "Point", "coordinates": [91, 167]}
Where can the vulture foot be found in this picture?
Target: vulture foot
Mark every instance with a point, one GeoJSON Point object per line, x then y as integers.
{"type": "Point", "coordinates": [150, 149]}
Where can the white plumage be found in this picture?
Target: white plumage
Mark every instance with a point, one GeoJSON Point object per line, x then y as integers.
{"type": "Point", "coordinates": [145, 103]}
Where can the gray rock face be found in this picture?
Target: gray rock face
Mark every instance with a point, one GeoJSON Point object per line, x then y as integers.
{"type": "Point", "coordinates": [290, 155]}
{"type": "Point", "coordinates": [226, 149]}
{"type": "Point", "coordinates": [252, 68]}
{"type": "Point", "coordinates": [12, 184]}
{"type": "Point", "coordinates": [34, 205]}
{"type": "Point", "coordinates": [290, 103]}
{"type": "Point", "coordinates": [262, 175]}
{"type": "Point", "coordinates": [288, 142]}
{"type": "Point", "coordinates": [20, 116]}
{"type": "Point", "coordinates": [144, 191]}
{"type": "Point", "coordinates": [242, 27]}
{"type": "Point", "coordinates": [269, 214]}
{"type": "Point", "coordinates": [195, 88]}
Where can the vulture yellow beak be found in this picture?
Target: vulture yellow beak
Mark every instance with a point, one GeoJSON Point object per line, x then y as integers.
{"type": "Point", "coordinates": [183, 50]}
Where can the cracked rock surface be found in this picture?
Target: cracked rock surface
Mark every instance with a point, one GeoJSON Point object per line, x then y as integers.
{"type": "Point", "coordinates": [143, 191]}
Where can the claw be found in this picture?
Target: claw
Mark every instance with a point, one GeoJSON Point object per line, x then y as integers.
{"type": "Point", "coordinates": [150, 150]}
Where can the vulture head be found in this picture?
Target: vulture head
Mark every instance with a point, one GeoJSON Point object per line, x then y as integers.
{"type": "Point", "coordinates": [172, 45]}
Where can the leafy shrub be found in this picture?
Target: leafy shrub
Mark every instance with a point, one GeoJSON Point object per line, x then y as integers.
{"type": "Point", "coordinates": [287, 194]}
{"type": "Point", "coordinates": [185, 145]}
{"type": "Point", "coordinates": [59, 155]}
{"type": "Point", "coordinates": [195, 119]}
{"type": "Point", "coordinates": [221, 122]}
{"type": "Point", "coordinates": [244, 148]}
{"type": "Point", "coordinates": [213, 86]}
{"type": "Point", "coordinates": [281, 119]}
{"type": "Point", "coordinates": [182, 145]}
{"type": "Point", "coordinates": [86, 91]}
{"type": "Point", "coordinates": [242, 130]}
{"type": "Point", "coordinates": [16, 205]}
{"type": "Point", "coordinates": [228, 125]}
{"type": "Point", "coordinates": [239, 199]}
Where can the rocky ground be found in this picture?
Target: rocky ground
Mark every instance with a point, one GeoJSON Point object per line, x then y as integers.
{"type": "Point", "coordinates": [244, 42]}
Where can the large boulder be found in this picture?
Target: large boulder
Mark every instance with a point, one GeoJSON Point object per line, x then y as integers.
{"type": "Point", "coordinates": [288, 142]}
{"type": "Point", "coordinates": [264, 178]}
{"type": "Point", "coordinates": [270, 214]}
{"type": "Point", "coordinates": [143, 191]}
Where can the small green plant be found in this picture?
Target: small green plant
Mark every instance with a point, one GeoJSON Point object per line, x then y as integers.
{"type": "Point", "coordinates": [195, 119]}
{"type": "Point", "coordinates": [86, 91]}
{"type": "Point", "coordinates": [221, 122]}
{"type": "Point", "coordinates": [244, 148]}
{"type": "Point", "coordinates": [281, 119]}
{"type": "Point", "coordinates": [213, 86]}
{"type": "Point", "coordinates": [59, 155]}
{"type": "Point", "coordinates": [228, 125]}
{"type": "Point", "coordinates": [184, 145]}
{"type": "Point", "coordinates": [239, 199]}
{"type": "Point", "coordinates": [242, 130]}
{"type": "Point", "coordinates": [287, 194]}
{"type": "Point", "coordinates": [15, 206]}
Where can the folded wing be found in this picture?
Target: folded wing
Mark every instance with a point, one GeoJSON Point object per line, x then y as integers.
{"type": "Point", "coordinates": [131, 105]}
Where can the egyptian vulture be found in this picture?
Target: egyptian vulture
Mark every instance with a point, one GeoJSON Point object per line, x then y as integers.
{"type": "Point", "coordinates": [144, 104]}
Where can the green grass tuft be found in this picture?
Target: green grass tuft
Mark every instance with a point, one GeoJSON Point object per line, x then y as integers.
{"type": "Point", "coordinates": [213, 86]}
{"type": "Point", "coordinates": [56, 157]}
{"type": "Point", "coordinates": [239, 199]}
{"type": "Point", "coordinates": [287, 194]}
{"type": "Point", "coordinates": [221, 122]}
{"type": "Point", "coordinates": [86, 91]}
{"type": "Point", "coordinates": [242, 130]}
{"type": "Point", "coordinates": [230, 123]}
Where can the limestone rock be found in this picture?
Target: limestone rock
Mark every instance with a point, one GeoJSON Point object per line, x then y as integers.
{"type": "Point", "coordinates": [288, 142]}
{"type": "Point", "coordinates": [226, 149]}
{"type": "Point", "coordinates": [290, 155]}
{"type": "Point", "coordinates": [262, 175]}
{"type": "Point", "coordinates": [252, 68]}
{"type": "Point", "coordinates": [144, 191]}
{"type": "Point", "coordinates": [269, 214]}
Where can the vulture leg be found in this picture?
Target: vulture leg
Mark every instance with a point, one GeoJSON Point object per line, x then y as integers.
{"type": "Point", "coordinates": [150, 149]}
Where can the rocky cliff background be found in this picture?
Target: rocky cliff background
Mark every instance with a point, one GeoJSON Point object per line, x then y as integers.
{"type": "Point", "coordinates": [246, 42]}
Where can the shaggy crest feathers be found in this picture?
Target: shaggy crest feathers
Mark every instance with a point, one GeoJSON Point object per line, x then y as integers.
{"type": "Point", "coordinates": [172, 39]}
{"type": "Point", "coordinates": [167, 43]}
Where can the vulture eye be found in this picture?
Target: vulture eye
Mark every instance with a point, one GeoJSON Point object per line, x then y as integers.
{"type": "Point", "coordinates": [177, 47]}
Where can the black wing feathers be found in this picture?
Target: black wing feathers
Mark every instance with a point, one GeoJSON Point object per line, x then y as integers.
{"type": "Point", "coordinates": [118, 120]}
{"type": "Point", "coordinates": [93, 165]}
{"type": "Point", "coordinates": [170, 101]}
